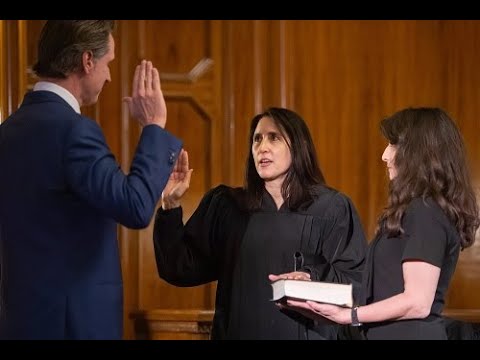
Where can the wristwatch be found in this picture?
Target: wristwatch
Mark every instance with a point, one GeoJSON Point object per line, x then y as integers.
{"type": "Point", "coordinates": [355, 321]}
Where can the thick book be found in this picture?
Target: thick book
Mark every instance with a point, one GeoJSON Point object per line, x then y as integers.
{"type": "Point", "coordinates": [324, 292]}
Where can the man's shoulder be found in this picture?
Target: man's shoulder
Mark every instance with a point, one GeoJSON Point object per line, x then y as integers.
{"type": "Point", "coordinates": [44, 97]}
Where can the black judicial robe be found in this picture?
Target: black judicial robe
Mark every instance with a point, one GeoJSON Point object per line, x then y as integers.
{"type": "Point", "coordinates": [223, 242]}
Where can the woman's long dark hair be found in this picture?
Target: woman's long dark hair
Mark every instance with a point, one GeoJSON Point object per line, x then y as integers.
{"type": "Point", "coordinates": [304, 173]}
{"type": "Point", "coordinates": [430, 161]}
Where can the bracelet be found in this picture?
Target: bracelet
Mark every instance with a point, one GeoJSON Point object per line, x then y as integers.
{"type": "Point", "coordinates": [355, 321]}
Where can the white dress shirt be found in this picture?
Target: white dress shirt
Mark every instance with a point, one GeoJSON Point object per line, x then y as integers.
{"type": "Point", "coordinates": [60, 91]}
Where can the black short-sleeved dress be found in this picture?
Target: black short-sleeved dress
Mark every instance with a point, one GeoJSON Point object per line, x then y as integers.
{"type": "Point", "coordinates": [238, 248]}
{"type": "Point", "coordinates": [428, 236]}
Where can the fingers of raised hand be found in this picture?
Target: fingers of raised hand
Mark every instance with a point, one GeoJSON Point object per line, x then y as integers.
{"type": "Point", "coordinates": [136, 80]}
{"type": "Point", "coordinates": [188, 176]}
{"type": "Point", "coordinates": [156, 80]}
{"type": "Point", "coordinates": [148, 76]}
{"type": "Point", "coordinates": [184, 161]}
{"type": "Point", "coordinates": [142, 78]}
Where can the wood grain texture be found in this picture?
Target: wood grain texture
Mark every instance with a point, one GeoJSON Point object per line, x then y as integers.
{"type": "Point", "coordinates": [189, 72]}
{"type": "Point", "coordinates": [164, 324]}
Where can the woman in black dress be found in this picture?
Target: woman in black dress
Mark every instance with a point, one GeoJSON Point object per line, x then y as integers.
{"type": "Point", "coordinates": [431, 214]}
{"type": "Point", "coordinates": [237, 236]}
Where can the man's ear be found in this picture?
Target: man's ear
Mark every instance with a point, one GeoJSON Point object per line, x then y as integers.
{"type": "Point", "coordinates": [87, 61]}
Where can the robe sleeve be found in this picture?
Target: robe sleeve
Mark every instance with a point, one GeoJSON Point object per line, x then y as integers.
{"type": "Point", "coordinates": [188, 255]}
{"type": "Point", "coordinates": [341, 246]}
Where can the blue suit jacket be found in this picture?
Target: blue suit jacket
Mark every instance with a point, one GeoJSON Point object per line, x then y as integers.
{"type": "Point", "coordinates": [61, 195]}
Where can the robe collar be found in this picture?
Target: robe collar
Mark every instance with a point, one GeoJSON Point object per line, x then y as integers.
{"type": "Point", "coordinates": [268, 204]}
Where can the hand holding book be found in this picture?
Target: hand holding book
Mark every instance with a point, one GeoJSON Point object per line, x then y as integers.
{"type": "Point", "coordinates": [313, 299]}
{"type": "Point", "coordinates": [319, 311]}
{"type": "Point", "coordinates": [320, 291]}
{"type": "Point", "coordinates": [295, 275]}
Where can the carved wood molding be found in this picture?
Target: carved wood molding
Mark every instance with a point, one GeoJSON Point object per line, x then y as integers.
{"type": "Point", "coordinates": [173, 323]}
{"type": "Point", "coordinates": [195, 87]}
{"type": "Point", "coordinates": [198, 71]}
{"type": "Point", "coordinates": [176, 315]}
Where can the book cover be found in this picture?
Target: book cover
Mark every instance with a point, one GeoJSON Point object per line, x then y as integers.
{"type": "Point", "coordinates": [325, 292]}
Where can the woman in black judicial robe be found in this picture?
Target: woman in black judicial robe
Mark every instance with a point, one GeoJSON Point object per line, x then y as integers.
{"type": "Point", "coordinates": [284, 215]}
{"type": "Point", "coordinates": [431, 214]}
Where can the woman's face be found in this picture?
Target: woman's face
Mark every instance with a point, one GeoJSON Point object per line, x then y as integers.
{"type": "Point", "coordinates": [389, 157]}
{"type": "Point", "coordinates": [270, 151]}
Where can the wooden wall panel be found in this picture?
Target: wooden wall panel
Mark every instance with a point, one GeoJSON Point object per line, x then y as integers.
{"type": "Point", "coordinates": [461, 54]}
{"type": "Point", "coordinates": [177, 46]}
{"type": "Point", "coordinates": [187, 55]}
{"type": "Point", "coordinates": [240, 84]}
{"type": "Point", "coordinates": [13, 64]}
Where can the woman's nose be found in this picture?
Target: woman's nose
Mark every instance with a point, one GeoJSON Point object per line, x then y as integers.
{"type": "Point", "coordinates": [384, 156]}
{"type": "Point", "coordinates": [262, 146]}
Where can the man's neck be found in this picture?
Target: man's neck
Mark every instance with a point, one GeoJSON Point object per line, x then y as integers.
{"type": "Point", "coordinates": [70, 83]}
{"type": "Point", "coordinates": [60, 88]}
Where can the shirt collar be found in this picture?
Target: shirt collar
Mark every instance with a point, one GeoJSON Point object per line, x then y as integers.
{"type": "Point", "coordinates": [60, 91]}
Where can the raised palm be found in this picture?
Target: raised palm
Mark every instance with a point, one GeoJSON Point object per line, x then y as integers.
{"type": "Point", "coordinates": [179, 180]}
{"type": "Point", "coordinates": [147, 103]}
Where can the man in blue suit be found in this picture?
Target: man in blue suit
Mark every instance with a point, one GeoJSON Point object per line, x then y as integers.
{"type": "Point", "coordinates": [62, 191]}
